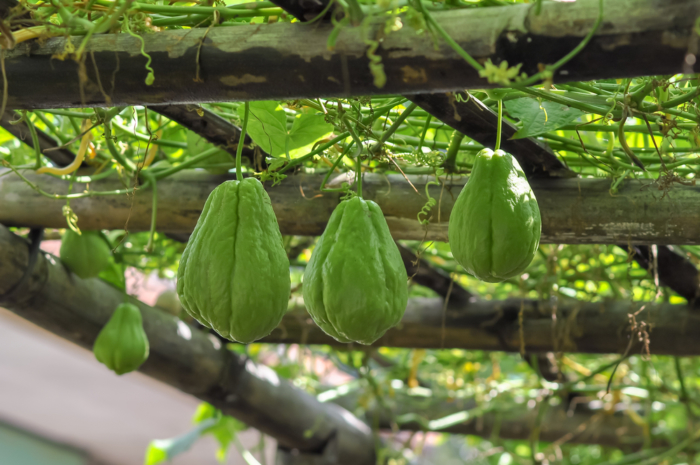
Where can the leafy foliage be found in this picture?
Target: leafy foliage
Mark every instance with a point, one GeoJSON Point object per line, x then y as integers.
{"type": "Point", "coordinates": [657, 116]}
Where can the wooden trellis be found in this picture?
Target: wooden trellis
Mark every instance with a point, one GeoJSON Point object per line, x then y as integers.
{"type": "Point", "coordinates": [574, 210]}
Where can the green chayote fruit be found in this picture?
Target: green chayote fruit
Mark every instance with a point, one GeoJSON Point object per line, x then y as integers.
{"type": "Point", "coordinates": [122, 344]}
{"type": "Point", "coordinates": [355, 285]}
{"type": "Point", "coordinates": [495, 223]}
{"type": "Point", "coordinates": [85, 254]}
{"type": "Point", "coordinates": [234, 273]}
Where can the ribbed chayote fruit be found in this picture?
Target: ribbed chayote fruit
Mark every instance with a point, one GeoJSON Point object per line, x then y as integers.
{"type": "Point", "coordinates": [122, 344]}
{"type": "Point", "coordinates": [495, 224]}
{"type": "Point", "coordinates": [355, 285]}
{"type": "Point", "coordinates": [85, 254]}
{"type": "Point", "coordinates": [234, 273]}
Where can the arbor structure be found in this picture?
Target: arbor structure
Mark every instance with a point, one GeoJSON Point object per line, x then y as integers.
{"type": "Point", "coordinates": [595, 99]}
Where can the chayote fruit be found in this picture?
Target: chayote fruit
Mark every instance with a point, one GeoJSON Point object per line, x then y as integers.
{"type": "Point", "coordinates": [86, 254]}
{"type": "Point", "coordinates": [234, 273]}
{"type": "Point", "coordinates": [122, 344]}
{"type": "Point", "coordinates": [355, 285]}
{"type": "Point", "coordinates": [495, 223]}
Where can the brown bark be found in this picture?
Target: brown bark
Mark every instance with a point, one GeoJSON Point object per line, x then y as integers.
{"type": "Point", "coordinates": [189, 360]}
{"type": "Point", "coordinates": [574, 211]}
{"type": "Point", "coordinates": [244, 62]}
{"type": "Point", "coordinates": [565, 326]}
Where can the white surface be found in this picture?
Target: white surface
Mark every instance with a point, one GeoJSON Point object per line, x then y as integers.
{"type": "Point", "coordinates": [58, 390]}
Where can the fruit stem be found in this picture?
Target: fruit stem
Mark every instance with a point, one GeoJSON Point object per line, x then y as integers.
{"type": "Point", "coordinates": [241, 142]}
{"type": "Point", "coordinates": [358, 152]}
{"type": "Point", "coordinates": [500, 124]}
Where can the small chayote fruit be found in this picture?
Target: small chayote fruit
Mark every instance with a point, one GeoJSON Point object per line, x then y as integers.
{"type": "Point", "coordinates": [355, 285]}
{"type": "Point", "coordinates": [234, 273]}
{"type": "Point", "coordinates": [86, 254]}
{"type": "Point", "coordinates": [122, 344]}
{"type": "Point", "coordinates": [495, 224]}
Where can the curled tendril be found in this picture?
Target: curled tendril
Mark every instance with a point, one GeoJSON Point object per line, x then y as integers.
{"type": "Point", "coordinates": [71, 218]}
{"type": "Point", "coordinates": [151, 74]}
{"type": "Point", "coordinates": [431, 200]}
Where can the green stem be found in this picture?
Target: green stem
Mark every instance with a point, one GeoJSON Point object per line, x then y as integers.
{"type": "Point", "coordinates": [154, 208]}
{"type": "Point", "coordinates": [453, 149]}
{"type": "Point", "coordinates": [450, 41]}
{"type": "Point", "coordinates": [358, 152]}
{"type": "Point", "coordinates": [681, 380]}
{"type": "Point", "coordinates": [186, 164]}
{"type": "Point", "coordinates": [499, 128]}
{"type": "Point", "coordinates": [394, 127]}
{"type": "Point", "coordinates": [682, 99]}
{"type": "Point", "coordinates": [552, 68]}
{"type": "Point", "coordinates": [425, 131]}
{"type": "Point", "coordinates": [74, 114]}
{"type": "Point", "coordinates": [64, 197]}
{"type": "Point", "coordinates": [335, 165]}
{"type": "Point", "coordinates": [35, 139]}
{"type": "Point", "coordinates": [598, 110]}
{"type": "Point", "coordinates": [145, 138]}
{"type": "Point", "coordinates": [113, 150]}
{"type": "Point", "coordinates": [52, 127]}
{"type": "Point", "coordinates": [241, 142]}
{"type": "Point", "coordinates": [316, 151]}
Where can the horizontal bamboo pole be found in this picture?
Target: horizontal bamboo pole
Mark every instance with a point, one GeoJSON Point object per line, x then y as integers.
{"type": "Point", "coordinates": [574, 211]}
{"type": "Point", "coordinates": [288, 61]}
{"type": "Point", "coordinates": [564, 326]}
{"type": "Point", "coordinates": [189, 360]}
{"type": "Point", "coordinates": [77, 309]}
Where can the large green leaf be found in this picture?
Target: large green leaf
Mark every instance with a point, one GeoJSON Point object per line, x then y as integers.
{"type": "Point", "coordinates": [216, 164]}
{"type": "Point", "coordinates": [267, 126]}
{"type": "Point", "coordinates": [224, 429]}
{"type": "Point", "coordinates": [539, 117]}
{"type": "Point", "coordinates": [162, 450]}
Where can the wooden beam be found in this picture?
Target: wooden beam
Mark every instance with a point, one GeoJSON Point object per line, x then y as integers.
{"type": "Point", "coordinates": [189, 360]}
{"type": "Point", "coordinates": [244, 62]}
{"type": "Point", "coordinates": [575, 424]}
{"type": "Point", "coordinates": [180, 356]}
{"type": "Point", "coordinates": [471, 118]}
{"type": "Point", "coordinates": [673, 269]}
{"type": "Point", "coordinates": [574, 211]}
{"type": "Point", "coordinates": [421, 272]}
{"type": "Point", "coordinates": [563, 326]}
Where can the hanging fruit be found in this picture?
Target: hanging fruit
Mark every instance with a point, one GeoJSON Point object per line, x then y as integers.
{"type": "Point", "coordinates": [85, 254]}
{"type": "Point", "coordinates": [355, 285]}
{"type": "Point", "coordinates": [122, 345]}
{"type": "Point", "coordinates": [234, 273]}
{"type": "Point", "coordinates": [495, 224]}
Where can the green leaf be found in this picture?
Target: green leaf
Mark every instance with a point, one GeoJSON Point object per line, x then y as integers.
{"type": "Point", "coordinates": [225, 432]}
{"type": "Point", "coordinates": [267, 126]}
{"type": "Point", "coordinates": [224, 428]}
{"type": "Point", "coordinates": [204, 412]}
{"type": "Point", "coordinates": [538, 118]}
{"type": "Point", "coordinates": [154, 454]}
{"type": "Point", "coordinates": [114, 275]}
{"type": "Point", "coordinates": [306, 130]}
{"type": "Point", "coordinates": [161, 450]}
{"type": "Point", "coordinates": [197, 144]}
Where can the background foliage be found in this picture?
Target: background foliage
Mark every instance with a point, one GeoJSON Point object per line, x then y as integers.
{"type": "Point", "coordinates": [604, 129]}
